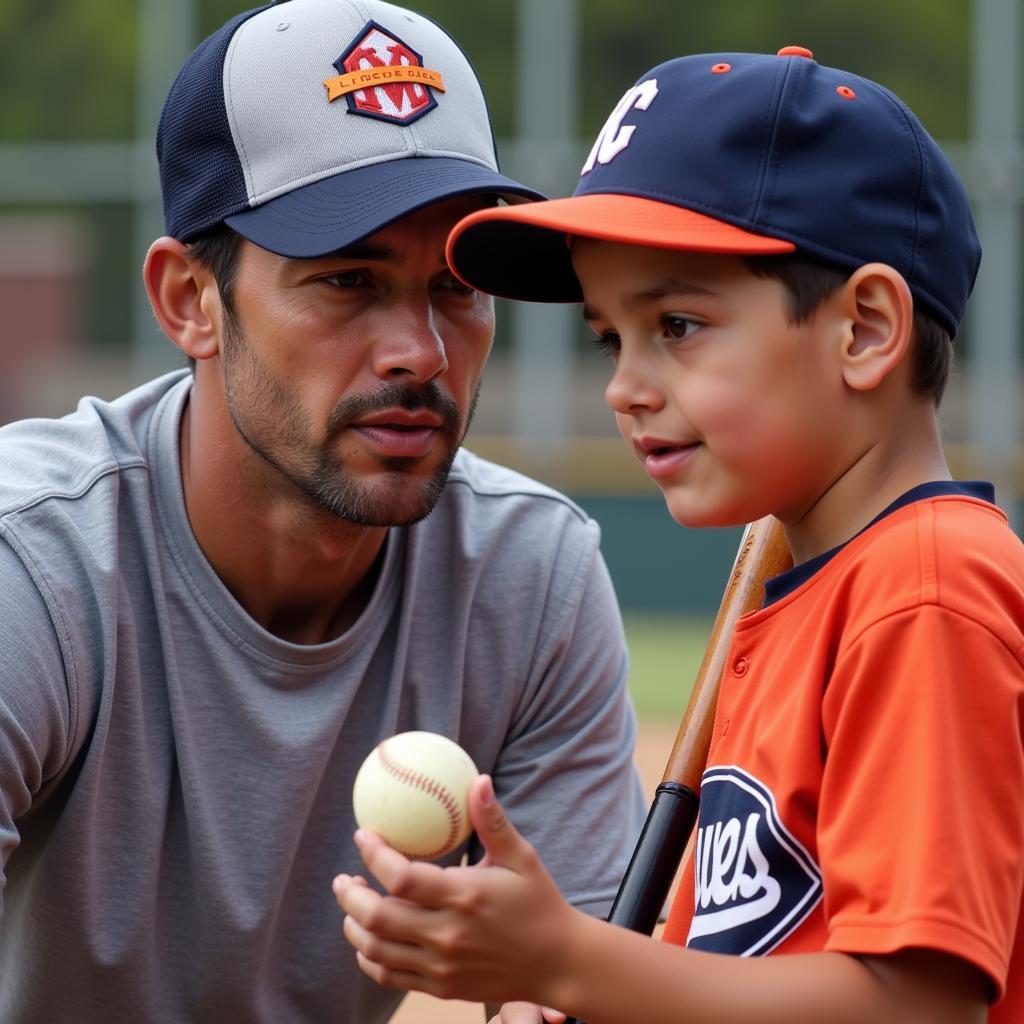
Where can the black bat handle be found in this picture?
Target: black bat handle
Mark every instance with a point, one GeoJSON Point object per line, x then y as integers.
{"type": "Point", "coordinates": [652, 868]}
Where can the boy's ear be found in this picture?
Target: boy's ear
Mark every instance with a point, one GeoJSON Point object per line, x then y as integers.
{"type": "Point", "coordinates": [879, 311]}
{"type": "Point", "coordinates": [184, 297]}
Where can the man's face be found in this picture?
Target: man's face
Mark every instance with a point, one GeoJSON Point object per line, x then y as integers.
{"type": "Point", "coordinates": [354, 376]}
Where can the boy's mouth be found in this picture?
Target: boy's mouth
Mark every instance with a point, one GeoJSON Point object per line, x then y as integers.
{"type": "Point", "coordinates": [662, 458]}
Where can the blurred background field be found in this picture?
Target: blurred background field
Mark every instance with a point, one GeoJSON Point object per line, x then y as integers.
{"type": "Point", "coordinates": [665, 652]}
{"type": "Point", "coordinates": [81, 86]}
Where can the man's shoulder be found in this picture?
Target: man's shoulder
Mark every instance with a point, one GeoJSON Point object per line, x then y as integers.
{"type": "Point", "coordinates": [475, 478]}
{"type": "Point", "coordinates": [492, 515]}
{"type": "Point", "coordinates": [63, 459]}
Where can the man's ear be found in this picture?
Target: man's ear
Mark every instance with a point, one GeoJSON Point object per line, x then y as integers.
{"type": "Point", "coordinates": [184, 297]}
{"type": "Point", "coordinates": [880, 313]}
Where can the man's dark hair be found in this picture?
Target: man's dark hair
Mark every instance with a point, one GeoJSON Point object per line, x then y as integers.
{"type": "Point", "coordinates": [808, 282]}
{"type": "Point", "coordinates": [217, 250]}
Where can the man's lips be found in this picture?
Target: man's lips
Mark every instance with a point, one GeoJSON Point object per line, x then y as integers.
{"type": "Point", "coordinates": [662, 458]}
{"type": "Point", "coordinates": [399, 432]}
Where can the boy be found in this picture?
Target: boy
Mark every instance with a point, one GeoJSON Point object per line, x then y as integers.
{"type": "Point", "coordinates": [776, 256]}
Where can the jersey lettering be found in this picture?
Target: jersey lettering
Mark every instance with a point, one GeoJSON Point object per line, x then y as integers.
{"type": "Point", "coordinates": [732, 874]}
{"type": "Point", "coordinates": [753, 881]}
{"type": "Point", "coordinates": [614, 136]}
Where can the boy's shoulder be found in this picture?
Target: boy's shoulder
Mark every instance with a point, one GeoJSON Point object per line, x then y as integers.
{"type": "Point", "coordinates": [957, 532]}
{"type": "Point", "coordinates": [953, 551]}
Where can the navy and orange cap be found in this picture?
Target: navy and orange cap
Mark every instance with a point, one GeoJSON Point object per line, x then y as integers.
{"type": "Point", "coordinates": [746, 153]}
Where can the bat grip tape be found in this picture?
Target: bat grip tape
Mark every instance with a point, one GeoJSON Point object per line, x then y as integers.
{"type": "Point", "coordinates": [652, 868]}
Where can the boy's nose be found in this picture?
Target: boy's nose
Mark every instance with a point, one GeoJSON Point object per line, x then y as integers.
{"type": "Point", "coordinates": [632, 387]}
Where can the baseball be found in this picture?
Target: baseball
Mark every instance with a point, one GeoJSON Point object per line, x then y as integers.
{"type": "Point", "coordinates": [411, 790]}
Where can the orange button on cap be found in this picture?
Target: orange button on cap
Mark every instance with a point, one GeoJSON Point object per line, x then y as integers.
{"type": "Point", "coordinates": [795, 51]}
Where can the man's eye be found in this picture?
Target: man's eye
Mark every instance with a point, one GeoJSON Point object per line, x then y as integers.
{"type": "Point", "coordinates": [449, 282]}
{"type": "Point", "coordinates": [346, 279]}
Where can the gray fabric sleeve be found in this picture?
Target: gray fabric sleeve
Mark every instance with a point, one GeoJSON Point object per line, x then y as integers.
{"type": "Point", "coordinates": [566, 775]}
{"type": "Point", "coordinates": [34, 707]}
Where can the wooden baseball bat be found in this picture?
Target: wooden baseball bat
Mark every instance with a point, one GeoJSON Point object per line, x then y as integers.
{"type": "Point", "coordinates": [762, 553]}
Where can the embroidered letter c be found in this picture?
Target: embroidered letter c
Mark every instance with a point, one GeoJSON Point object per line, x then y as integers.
{"type": "Point", "coordinates": [614, 136]}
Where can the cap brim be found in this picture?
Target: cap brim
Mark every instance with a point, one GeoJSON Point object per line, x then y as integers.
{"type": "Point", "coordinates": [521, 252]}
{"type": "Point", "coordinates": [334, 212]}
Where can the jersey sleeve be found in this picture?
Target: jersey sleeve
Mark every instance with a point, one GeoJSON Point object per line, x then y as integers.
{"type": "Point", "coordinates": [921, 823]}
{"type": "Point", "coordinates": [35, 710]}
{"type": "Point", "coordinates": [566, 773]}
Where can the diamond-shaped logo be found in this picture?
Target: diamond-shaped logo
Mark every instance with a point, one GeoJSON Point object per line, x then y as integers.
{"type": "Point", "coordinates": [381, 77]}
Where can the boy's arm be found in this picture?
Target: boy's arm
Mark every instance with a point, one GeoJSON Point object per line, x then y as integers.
{"type": "Point", "coordinates": [501, 931]}
{"type": "Point", "coordinates": [630, 978]}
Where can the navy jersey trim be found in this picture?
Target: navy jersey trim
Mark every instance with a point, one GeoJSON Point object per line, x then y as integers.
{"type": "Point", "coordinates": [785, 583]}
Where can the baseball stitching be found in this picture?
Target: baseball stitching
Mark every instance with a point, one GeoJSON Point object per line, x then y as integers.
{"type": "Point", "coordinates": [432, 788]}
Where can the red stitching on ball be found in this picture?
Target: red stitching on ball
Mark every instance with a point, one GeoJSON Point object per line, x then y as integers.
{"type": "Point", "coordinates": [431, 788]}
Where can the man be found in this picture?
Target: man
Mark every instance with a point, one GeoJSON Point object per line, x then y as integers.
{"type": "Point", "coordinates": [221, 590]}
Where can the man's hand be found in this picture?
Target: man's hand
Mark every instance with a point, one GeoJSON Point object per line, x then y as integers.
{"type": "Point", "coordinates": [496, 932]}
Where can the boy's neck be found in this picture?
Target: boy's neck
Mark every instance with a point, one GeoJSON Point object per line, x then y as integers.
{"type": "Point", "coordinates": [883, 470]}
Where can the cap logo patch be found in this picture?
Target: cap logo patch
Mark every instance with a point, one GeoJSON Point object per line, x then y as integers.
{"type": "Point", "coordinates": [382, 77]}
{"type": "Point", "coordinates": [614, 136]}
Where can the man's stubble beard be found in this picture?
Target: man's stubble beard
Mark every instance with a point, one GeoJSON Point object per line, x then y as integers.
{"type": "Point", "coordinates": [273, 426]}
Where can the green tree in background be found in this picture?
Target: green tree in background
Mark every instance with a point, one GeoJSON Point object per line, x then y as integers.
{"type": "Point", "coordinates": [68, 71]}
{"type": "Point", "coordinates": [67, 68]}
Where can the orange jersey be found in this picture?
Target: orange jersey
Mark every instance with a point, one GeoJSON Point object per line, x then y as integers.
{"type": "Point", "coordinates": [865, 784]}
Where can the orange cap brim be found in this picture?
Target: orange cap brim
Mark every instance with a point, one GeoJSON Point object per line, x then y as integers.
{"type": "Point", "coordinates": [519, 252]}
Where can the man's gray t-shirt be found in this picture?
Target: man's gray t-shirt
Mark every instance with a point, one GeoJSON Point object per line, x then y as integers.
{"type": "Point", "coordinates": [175, 781]}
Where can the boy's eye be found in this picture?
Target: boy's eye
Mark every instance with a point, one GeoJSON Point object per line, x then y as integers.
{"type": "Point", "coordinates": [608, 343]}
{"type": "Point", "coordinates": [679, 326]}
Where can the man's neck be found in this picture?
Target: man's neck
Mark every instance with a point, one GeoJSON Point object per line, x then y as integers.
{"type": "Point", "coordinates": [297, 570]}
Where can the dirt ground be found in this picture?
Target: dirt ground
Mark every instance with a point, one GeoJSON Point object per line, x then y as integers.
{"type": "Point", "coordinates": [653, 747]}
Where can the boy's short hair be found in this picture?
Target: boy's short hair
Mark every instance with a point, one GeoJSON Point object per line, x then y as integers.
{"type": "Point", "coordinates": [746, 154]}
{"type": "Point", "coordinates": [809, 281]}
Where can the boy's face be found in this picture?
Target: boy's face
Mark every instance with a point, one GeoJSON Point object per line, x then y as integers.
{"type": "Point", "coordinates": [734, 411]}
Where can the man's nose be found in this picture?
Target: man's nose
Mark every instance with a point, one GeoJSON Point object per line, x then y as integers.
{"type": "Point", "coordinates": [412, 346]}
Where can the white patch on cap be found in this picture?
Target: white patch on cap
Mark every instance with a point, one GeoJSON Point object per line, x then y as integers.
{"type": "Point", "coordinates": [286, 132]}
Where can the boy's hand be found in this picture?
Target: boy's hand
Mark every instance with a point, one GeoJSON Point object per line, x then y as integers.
{"type": "Point", "coordinates": [497, 932]}
{"type": "Point", "coordinates": [527, 1013]}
